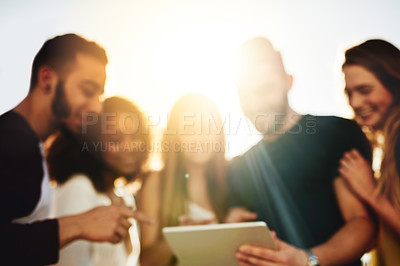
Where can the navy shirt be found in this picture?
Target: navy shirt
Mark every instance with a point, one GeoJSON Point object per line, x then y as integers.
{"type": "Point", "coordinates": [289, 182]}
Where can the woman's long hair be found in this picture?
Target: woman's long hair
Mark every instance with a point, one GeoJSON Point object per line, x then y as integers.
{"type": "Point", "coordinates": [383, 60]}
{"type": "Point", "coordinates": [67, 156]}
{"type": "Point", "coordinates": [174, 191]}
{"type": "Point", "coordinates": [389, 182]}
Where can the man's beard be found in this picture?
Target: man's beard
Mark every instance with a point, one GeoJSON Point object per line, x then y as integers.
{"type": "Point", "coordinates": [269, 123]}
{"type": "Point", "coordinates": [274, 120]}
{"type": "Point", "coordinates": [60, 107]}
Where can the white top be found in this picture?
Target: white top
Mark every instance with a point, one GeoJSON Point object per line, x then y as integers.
{"type": "Point", "coordinates": [78, 195]}
{"type": "Point", "coordinates": [42, 208]}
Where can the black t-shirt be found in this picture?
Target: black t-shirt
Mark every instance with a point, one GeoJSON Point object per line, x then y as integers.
{"type": "Point", "coordinates": [21, 175]}
{"type": "Point", "coordinates": [289, 182]}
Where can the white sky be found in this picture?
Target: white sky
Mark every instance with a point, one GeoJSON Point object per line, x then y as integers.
{"type": "Point", "coordinates": [159, 50]}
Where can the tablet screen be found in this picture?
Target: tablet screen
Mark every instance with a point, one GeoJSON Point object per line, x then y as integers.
{"type": "Point", "coordinates": [215, 244]}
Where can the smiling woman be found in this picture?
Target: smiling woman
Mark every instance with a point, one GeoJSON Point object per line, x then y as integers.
{"type": "Point", "coordinates": [108, 151]}
{"type": "Point", "coordinates": [190, 189]}
{"type": "Point", "coordinates": [372, 74]}
{"type": "Point", "coordinates": [367, 96]}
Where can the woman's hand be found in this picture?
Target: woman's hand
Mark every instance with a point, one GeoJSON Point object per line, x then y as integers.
{"type": "Point", "coordinates": [239, 214]}
{"type": "Point", "coordinates": [358, 174]}
{"type": "Point", "coordinates": [186, 220]}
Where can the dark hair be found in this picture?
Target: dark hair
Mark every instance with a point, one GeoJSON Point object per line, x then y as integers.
{"type": "Point", "coordinates": [66, 157]}
{"type": "Point", "coordinates": [70, 154]}
{"type": "Point", "coordinates": [142, 132]}
{"type": "Point", "coordinates": [62, 49]}
{"type": "Point", "coordinates": [382, 59]}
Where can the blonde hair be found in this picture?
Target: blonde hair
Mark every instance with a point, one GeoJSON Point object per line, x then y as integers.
{"type": "Point", "coordinates": [173, 189]}
{"type": "Point", "coordinates": [389, 182]}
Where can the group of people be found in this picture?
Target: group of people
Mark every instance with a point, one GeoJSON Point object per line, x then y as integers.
{"type": "Point", "coordinates": [309, 178]}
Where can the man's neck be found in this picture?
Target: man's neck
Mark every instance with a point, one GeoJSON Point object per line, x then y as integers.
{"type": "Point", "coordinates": [290, 120]}
{"type": "Point", "coordinates": [37, 116]}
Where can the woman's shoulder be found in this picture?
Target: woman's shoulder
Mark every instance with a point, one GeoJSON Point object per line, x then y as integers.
{"type": "Point", "coordinates": [80, 181]}
{"type": "Point", "coordinates": [76, 195]}
{"type": "Point", "coordinates": [77, 186]}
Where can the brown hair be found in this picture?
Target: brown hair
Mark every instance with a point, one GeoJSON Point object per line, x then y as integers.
{"type": "Point", "coordinates": [141, 132]}
{"type": "Point", "coordinates": [382, 59]}
{"type": "Point", "coordinates": [389, 181]}
{"type": "Point", "coordinates": [174, 194]}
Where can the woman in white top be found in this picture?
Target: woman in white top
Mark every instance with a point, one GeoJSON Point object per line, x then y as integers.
{"type": "Point", "coordinates": [190, 189]}
{"type": "Point", "coordinates": [85, 169]}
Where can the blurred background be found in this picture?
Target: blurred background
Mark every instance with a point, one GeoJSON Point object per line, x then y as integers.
{"type": "Point", "coordinates": [159, 50]}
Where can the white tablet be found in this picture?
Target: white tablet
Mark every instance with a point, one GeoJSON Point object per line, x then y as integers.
{"type": "Point", "coordinates": [215, 244]}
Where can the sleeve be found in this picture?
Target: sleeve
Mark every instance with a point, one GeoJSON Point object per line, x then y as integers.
{"type": "Point", "coordinates": [355, 138]}
{"type": "Point", "coordinates": [21, 176]}
{"type": "Point", "coordinates": [363, 145]}
{"type": "Point", "coordinates": [346, 136]}
{"type": "Point", "coordinates": [29, 244]}
{"type": "Point", "coordinates": [77, 195]}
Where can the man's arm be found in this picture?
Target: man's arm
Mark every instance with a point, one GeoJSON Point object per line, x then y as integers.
{"type": "Point", "coordinates": [29, 244]}
{"type": "Point", "coordinates": [38, 243]}
{"type": "Point", "coordinates": [101, 224]}
{"type": "Point", "coordinates": [348, 244]}
{"type": "Point", "coordinates": [356, 237]}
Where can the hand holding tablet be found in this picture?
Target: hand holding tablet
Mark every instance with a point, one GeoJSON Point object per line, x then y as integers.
{"type": "Point", "coordinates": [215, 244]}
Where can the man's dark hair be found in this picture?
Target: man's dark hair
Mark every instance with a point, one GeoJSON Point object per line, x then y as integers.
{"type": "Point", "coordinates": [60, 50]}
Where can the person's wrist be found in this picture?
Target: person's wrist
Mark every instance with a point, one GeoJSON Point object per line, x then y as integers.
{"type": "Point", "coordinates": [312, 258]}
{"type": "Point", "coordinates": [304, 257]}
{"type": "Point", "coordinates": [373, 200]}
{"type": "Point", "coordinates": [69, 229]}
{"type": "Point", "coordinates": [78, 226]}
